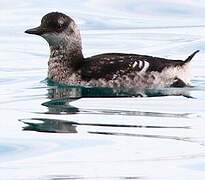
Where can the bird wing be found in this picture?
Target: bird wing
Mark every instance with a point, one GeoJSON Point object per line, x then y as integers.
{"type": "Point", "coordinates": [111, 64]}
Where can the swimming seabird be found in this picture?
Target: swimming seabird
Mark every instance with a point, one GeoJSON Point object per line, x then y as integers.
{"type": "Point", "coordinates": [67, 65]}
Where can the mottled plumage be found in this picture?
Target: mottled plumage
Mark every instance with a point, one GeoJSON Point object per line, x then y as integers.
{"type": "Point", "coordinates": [116, 70]}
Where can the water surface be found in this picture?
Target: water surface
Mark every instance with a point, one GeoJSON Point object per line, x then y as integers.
{"type": "Point", "coordinates": [51, 132]}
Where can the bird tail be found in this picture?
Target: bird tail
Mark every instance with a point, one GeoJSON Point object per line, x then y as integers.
{"type": "Point", "coordinates": [190, 57]}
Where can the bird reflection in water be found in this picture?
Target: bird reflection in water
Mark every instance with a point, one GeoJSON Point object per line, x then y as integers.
{"type": "Point", "coordinates": [56, 91]}
{"type": "Point", "coordinates": [61, 126]}
{"type": "Point", "coordinates": [49, 125]}
{"type": "Point", "coordinates": [60, 97]}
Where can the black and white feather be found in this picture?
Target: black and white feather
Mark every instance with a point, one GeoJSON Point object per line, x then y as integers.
{"type": "Point", "coordinates": [67, 64]}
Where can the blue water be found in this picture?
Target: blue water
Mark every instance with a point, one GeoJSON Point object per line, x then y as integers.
{"type": "Point", "coordinates": [51, 132]}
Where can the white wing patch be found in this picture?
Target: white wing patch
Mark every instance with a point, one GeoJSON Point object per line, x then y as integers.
{"type": "Point", "coordinates": [134, 64]}
{"type": "Point", "coordinates": [146, 66]}
{"type": "Point", "coordinates": [142, 66]}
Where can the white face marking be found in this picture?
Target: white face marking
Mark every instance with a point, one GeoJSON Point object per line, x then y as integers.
{"type": "Point", "coordinates": [66, 37]}
{"type": "Point", "coordinates": [54, 38]}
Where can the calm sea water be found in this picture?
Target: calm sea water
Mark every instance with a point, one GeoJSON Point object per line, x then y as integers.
{"type": "Point", "coordinates": [51, 132]}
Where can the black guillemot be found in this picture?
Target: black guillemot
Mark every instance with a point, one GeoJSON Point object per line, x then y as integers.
{"type": "Point", "coordinates": [67, 64]}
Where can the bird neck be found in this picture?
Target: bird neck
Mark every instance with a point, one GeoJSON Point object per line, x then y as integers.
{"type": "Point", "coordinates": [72, 57]}
{"type": "Point", "coordinates": [66, 58]}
